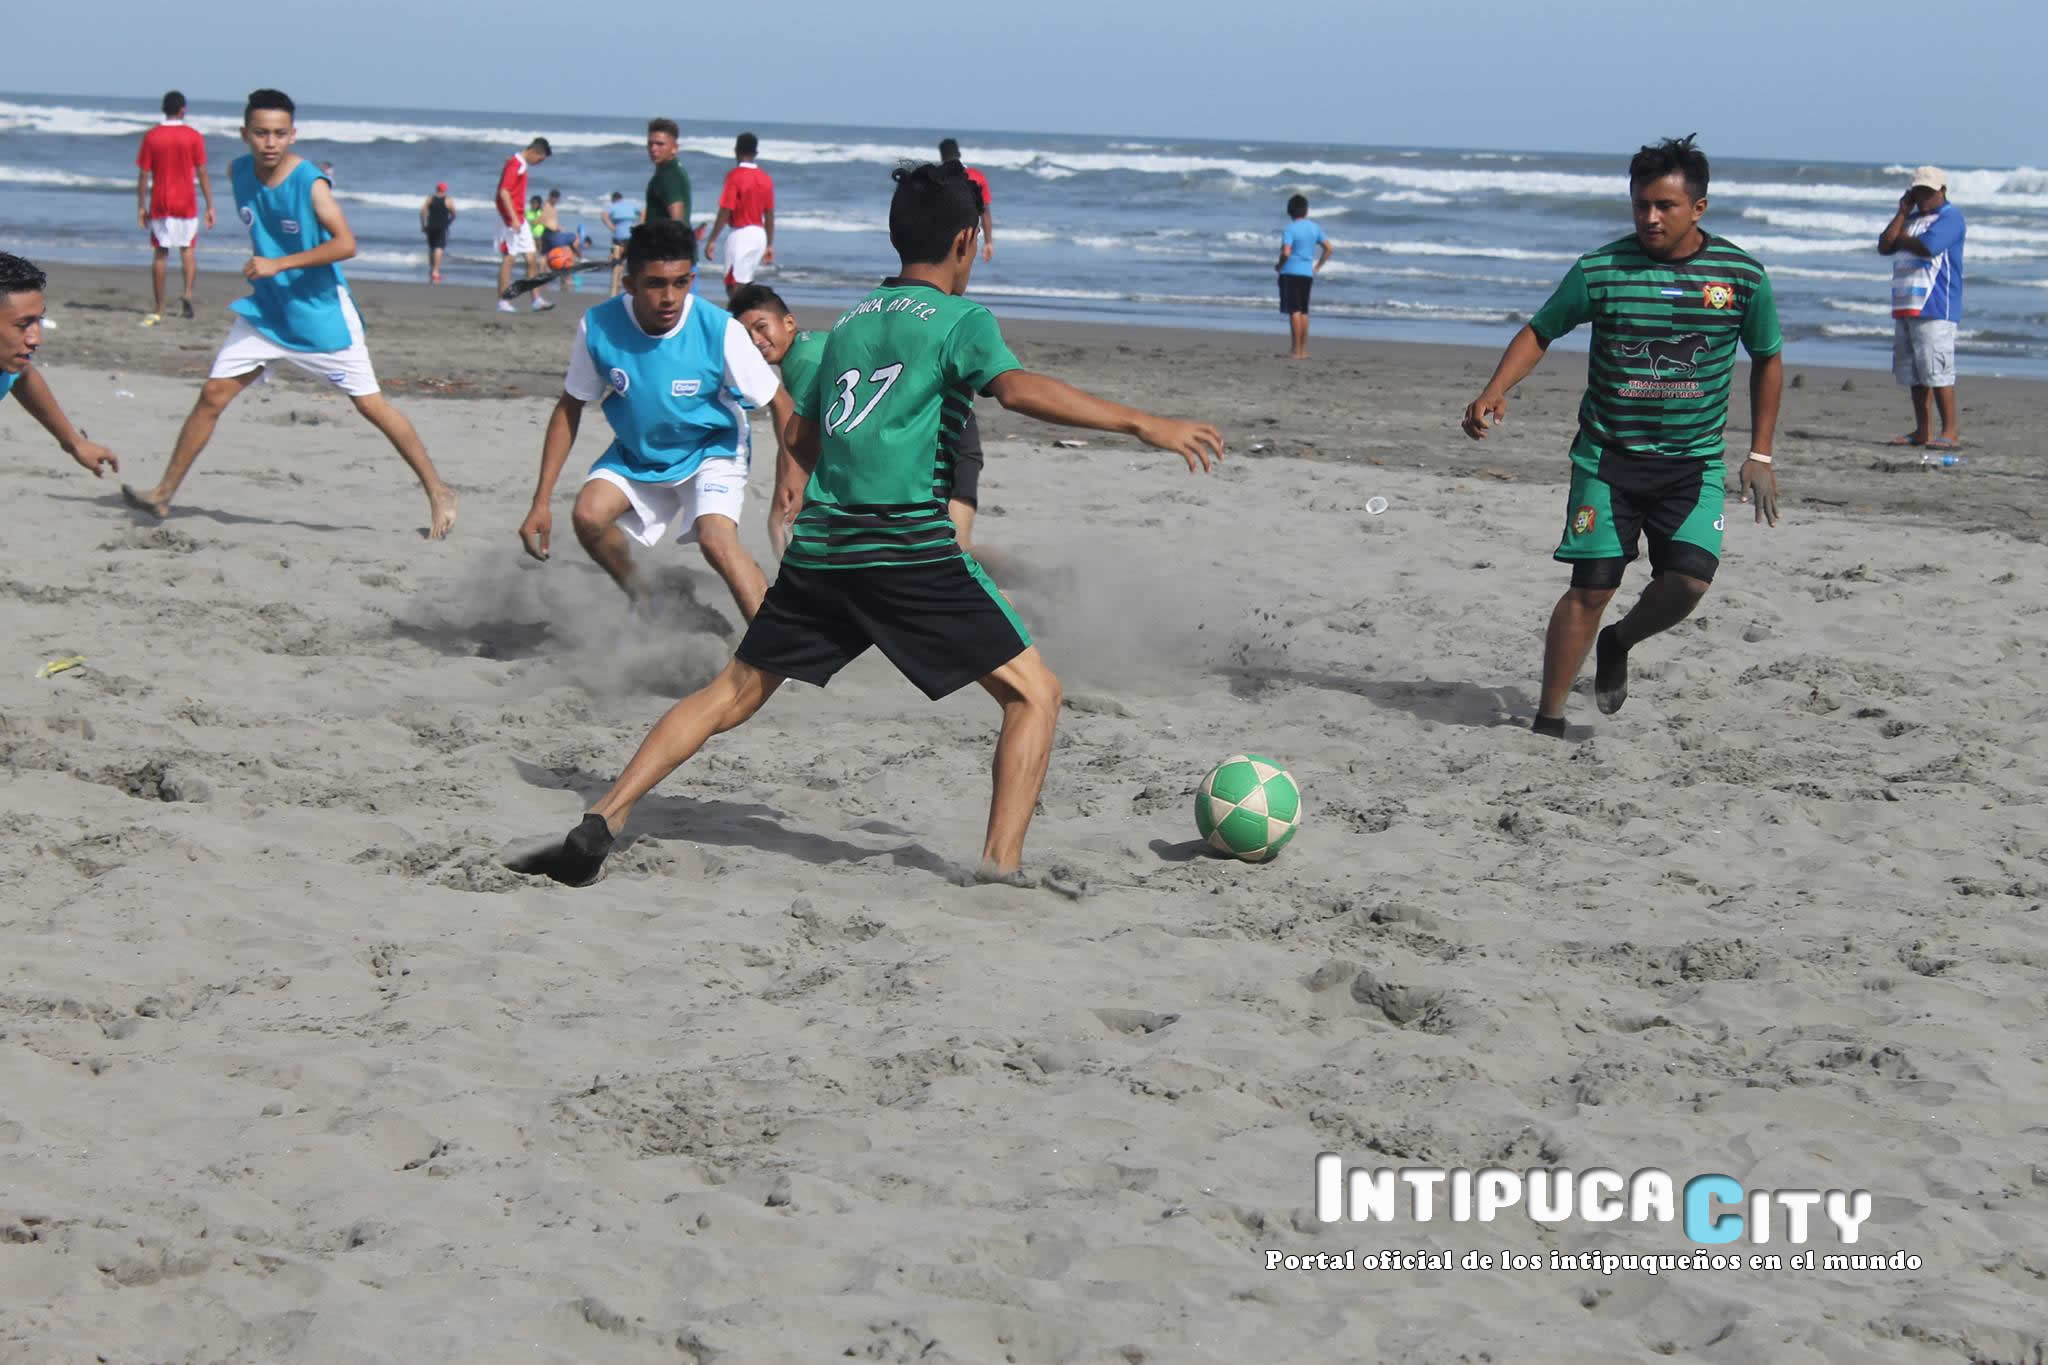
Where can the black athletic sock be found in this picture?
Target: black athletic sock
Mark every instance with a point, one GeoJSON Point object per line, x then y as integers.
{"type": "Point", "coordinates": [1610, 672]}
{"type": "Point", "coordinates": [1549, 725]}
{"type": "Point", "coordinates": [584, 852]}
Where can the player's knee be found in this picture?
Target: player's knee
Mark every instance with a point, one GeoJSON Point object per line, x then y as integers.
{"type": "Point", "coordinates": [1693, 589]}
{"type": "Point", "coordinates": [216, 394]}
{"type": "Point", "coordinates": [718, 540]}
{"type": "Point", "coordinates": [1590, 599]}
{"type": "Point", "coordinates": [590, 523]}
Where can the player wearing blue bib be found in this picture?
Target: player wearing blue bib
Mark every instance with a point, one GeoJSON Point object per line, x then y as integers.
{"type": "Point", "coordinates": [298, 310]}
{"type": "Point", "coordinates": [21, 332]}
{"type": "Point", "coordinates": [675, 375]}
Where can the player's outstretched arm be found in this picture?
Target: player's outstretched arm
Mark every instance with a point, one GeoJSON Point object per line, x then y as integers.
{"type": "Point", "coordinates": [538, 528]}
{"type": "Point", "coordinates": [1516, 363]}
{"type": "Point", "coordinates": [41, 404]}
{"type": "Point", "coordinates": [1053, 400]}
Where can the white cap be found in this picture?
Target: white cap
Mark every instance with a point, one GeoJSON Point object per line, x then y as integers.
{"type": "Point", "coordinates": [1930, 177]}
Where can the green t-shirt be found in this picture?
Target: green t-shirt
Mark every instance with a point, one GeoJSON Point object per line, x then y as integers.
{"type": "Point", "coordinates": [800, 362]}
{"type": "Point", "coordinates": [1664, 336]}
{"type": "Point", "coordinates": [670, 184]}
{"type": "Point", "coordinates": [895, 382]}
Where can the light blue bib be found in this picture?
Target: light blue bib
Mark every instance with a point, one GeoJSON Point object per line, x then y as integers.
{"type": "Point", "coordinates": [665, 396]}
{"type": "Point", "coordinates": [300, 310]}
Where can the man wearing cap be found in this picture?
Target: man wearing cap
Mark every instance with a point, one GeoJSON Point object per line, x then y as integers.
{"type": "Point", "coordinates": [1925, 240]}
{"type": "Point", "coordinates": [437, 215]}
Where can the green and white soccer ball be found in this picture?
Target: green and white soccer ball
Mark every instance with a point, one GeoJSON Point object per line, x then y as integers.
{"type": "Point", "coordinates": [1248, 807]}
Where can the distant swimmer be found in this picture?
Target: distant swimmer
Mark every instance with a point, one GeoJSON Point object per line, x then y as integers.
{"type": "Point", "coordinates": [873, 561]}
{"type": "Point", "coordinates": [1669, 306]}
{"type": "Point", "coordinates": [747, 204]}
{"type": "Point", "coordinates": [797, 353]}
{"type": "Point", "coordinates": [298, 309]}
{"type": "Point", "coordinates": [171, 159]}
{"type": "Point", "coordinates": [949, 155]}
{"type": "Point", "coordinates": [21, 332]}
{"type": "Point", "coordinates": [437, 215]}
{"type": "Point", "coordinates": [1304, 251]}
{"type": "Point", "coordinates": [671, 371]}
{"type": "Point", "coordinates": [515, 239]}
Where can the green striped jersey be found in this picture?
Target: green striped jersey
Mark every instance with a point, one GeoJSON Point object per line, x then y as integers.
{"type": "Point", "coordinates": [895, 383]}
{"type": "Point", "coordinates": [1664, 338]}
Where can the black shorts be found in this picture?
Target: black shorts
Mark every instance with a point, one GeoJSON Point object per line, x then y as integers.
{"type": "Point", "coordinates": [1676, 502]}
{"type": "Point", "coordinates": [967, 462]}
{"type": "Point", "coordinates": [1294, 292]}
{"type": "Point", "coordinates": [943, 625]}
{"type": "Point", "coordinates": [437, 239]}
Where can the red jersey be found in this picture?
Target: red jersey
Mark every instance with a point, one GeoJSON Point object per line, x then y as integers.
{"type": "Point", "coordinates": [172, 153]}
{"type": "Point", "coordinates": [512, 184]}
{"type": "Point", "coordinates": [978, 178]}
{"type": "Point", "coordinates": [749, 195]}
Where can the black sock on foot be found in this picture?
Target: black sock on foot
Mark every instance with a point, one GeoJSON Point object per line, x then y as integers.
{"type": "Point", "coordinates": [1549, 725]}
{"type": "Point", "coordinates": [1610, 672]}
{"type": "Point", "coordinates": [584, 852]}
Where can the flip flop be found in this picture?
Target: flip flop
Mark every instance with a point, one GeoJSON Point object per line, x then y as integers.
{"type": "Point", "coordinates": [1905, 439]}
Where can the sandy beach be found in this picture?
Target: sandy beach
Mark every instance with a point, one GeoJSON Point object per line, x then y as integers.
{"type": "Point", "coordinates": [292, 1067]}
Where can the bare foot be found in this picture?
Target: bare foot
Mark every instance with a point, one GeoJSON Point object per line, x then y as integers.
{"type": "Point", "coordinates": [990, 874]}
{"type": "Point", "coordinates": [146, 502]}
{"type": "Point", "coordinates": [441, 513]}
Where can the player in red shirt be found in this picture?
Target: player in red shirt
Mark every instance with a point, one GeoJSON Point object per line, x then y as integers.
{"type": "Point", "coordinates": [747, 206]}
{"type": "Point", "coordinates": [949, 152]}
{"type": "Point", "coordinates": [172, 156]}
{"type": "Point", "coordinates": [515, 238]}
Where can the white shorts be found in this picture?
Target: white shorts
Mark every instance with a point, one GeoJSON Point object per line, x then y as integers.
{"type": "Point", "coordinates": [743, 253]}
{"type": "Point", "coordinates": [174, 232]}
{"type": "Point", "coordinates": [716, 489]}
{"type": "Point", "coordinates": [349, 370]}
{"type": "Point", "coordinates": [515, 241]}
{"type": "Point", "coordinates": [1924, 352]}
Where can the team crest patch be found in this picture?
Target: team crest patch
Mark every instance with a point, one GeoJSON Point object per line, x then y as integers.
{"type": "Point", "coordinates": [1718, 295]}
{"type": "Point", "coordinates": [1584, 520]}
{"type": "Point", "coordinates": [684, 388]}
{"type": "Point", "coordinates": [248, 216]}
{"type": "Point", "coordinates": [620, 383]}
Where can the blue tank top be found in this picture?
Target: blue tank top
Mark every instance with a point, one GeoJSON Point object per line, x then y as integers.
{"type": "Point", "coordinates": [665, 397]}
{"type": "Point", "coordinates": [300, 310]}
{"type": "Point", "coordinates": [7, 383]}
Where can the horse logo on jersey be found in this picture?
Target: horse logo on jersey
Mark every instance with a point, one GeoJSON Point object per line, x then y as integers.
{"type": "Point", "coordinates": [1718, 295]}
{"type": "Point", "coordinates": [1584, 520]}
{"type": "Point", "coordinates": [1679, 356]}
{"type": "Point", "coordinates": [684, 388]}
{"type": "Point", "coordinates": [620, 382]}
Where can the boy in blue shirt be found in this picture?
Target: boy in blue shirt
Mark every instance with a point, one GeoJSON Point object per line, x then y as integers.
{"type": "Point", "coordinates": [21, 332]}
{"type": "Point", "coordinates": [1303, 249]}
{"type": "Point", "coordinates": [620, 214]}
{"type": "Point", "coordinates": [298, 309]}
{"type": "Point", "coordinates": [673, 371]}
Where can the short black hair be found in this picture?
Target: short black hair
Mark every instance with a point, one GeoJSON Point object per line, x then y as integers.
{"type": "Point", "coordinates": [174, 103]}
{"type": "Point", "coordinates": [752, 296]}
{"type": "Point", "coordinates": [745, 146]}
{"type": "Point", "coordinates": [949, 150]}
{"type": "Point", "coordinates": [266, 98]}
{"type": "Point", "coordinates": [1297, 206]}
{"type": "Point", "coordinates": [934, 203]}
{"type": "Point", "coordinates": [19, 276]}
{"type": "Point", "coordinates": [1660, 159]}
{"type": "Point", "coordinates": [661, 239]}
{"type": "Point", "coordinates": [540, 144]}
{"type": "Point", "coordinates": [664, 125]}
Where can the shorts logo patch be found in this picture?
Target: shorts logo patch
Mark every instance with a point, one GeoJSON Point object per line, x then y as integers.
{"type": "Point", "coordinates": [620, 382]}
{"type": "Point", "coordinates": [1718, 295]}
{"type": "Point", "coordinates": [684, 388]}
{"type": "Point", "coordinates": [1584, 520]}
{"type": "Point", "coordinates": [1720, 523]}
{"type": "Point", "coordinates": [337, 376]}
{"type": "Point", "coordinates": [715, 488]}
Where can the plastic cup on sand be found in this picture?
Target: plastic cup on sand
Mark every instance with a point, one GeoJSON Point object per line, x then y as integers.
{"type": "Point", "coordinates": [1375, 506]}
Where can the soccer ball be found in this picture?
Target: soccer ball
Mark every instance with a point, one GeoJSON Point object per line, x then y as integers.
{"type": "Point", "coordinates": [561, 257]}
{"type": "Point", "coordinates": [1248, 807]}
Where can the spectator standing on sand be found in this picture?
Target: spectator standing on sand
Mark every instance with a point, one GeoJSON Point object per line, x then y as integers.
{"type": "Point", "coordinates": [437, 215]}
{"type": "Point", "coordinates": [1925, 240]}
{"type": "Point", "coordinates": [747, 203]}
{"type": "Point", "coordinates": [949, 155]}
{"type": "Point", "coordinates": [171, 158]}
{"type": "Point", "coordinates": [514, 238]}
{"type": "Point", "coordinates": [1304, 247]}
{"type": "Point", "coordinates": [621, 213]}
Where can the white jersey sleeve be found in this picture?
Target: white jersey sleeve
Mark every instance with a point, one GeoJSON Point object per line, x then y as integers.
{"type": "Point", "coordinates": [582, 381]}
{"type": "Point", "coordinates": [746, 373]}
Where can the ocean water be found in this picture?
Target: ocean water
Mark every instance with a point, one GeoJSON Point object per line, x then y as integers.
{"type": "Point", "coordinates": [1432, 244]}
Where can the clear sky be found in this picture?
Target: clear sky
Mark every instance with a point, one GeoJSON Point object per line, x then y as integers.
{"type": "Point", "coordinates": [1876, 80]}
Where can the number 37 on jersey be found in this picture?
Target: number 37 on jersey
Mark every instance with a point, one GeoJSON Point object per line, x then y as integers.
{"type": "Point", "coordinates": [843, 417]}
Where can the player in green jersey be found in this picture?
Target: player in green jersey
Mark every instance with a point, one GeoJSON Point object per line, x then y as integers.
{"type": "Point", "coordinates": [775, 334]}
{"type": "Point", "coordinates": [873, 559]}
{"type": "Point", "coordinates": [1668, 305]}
